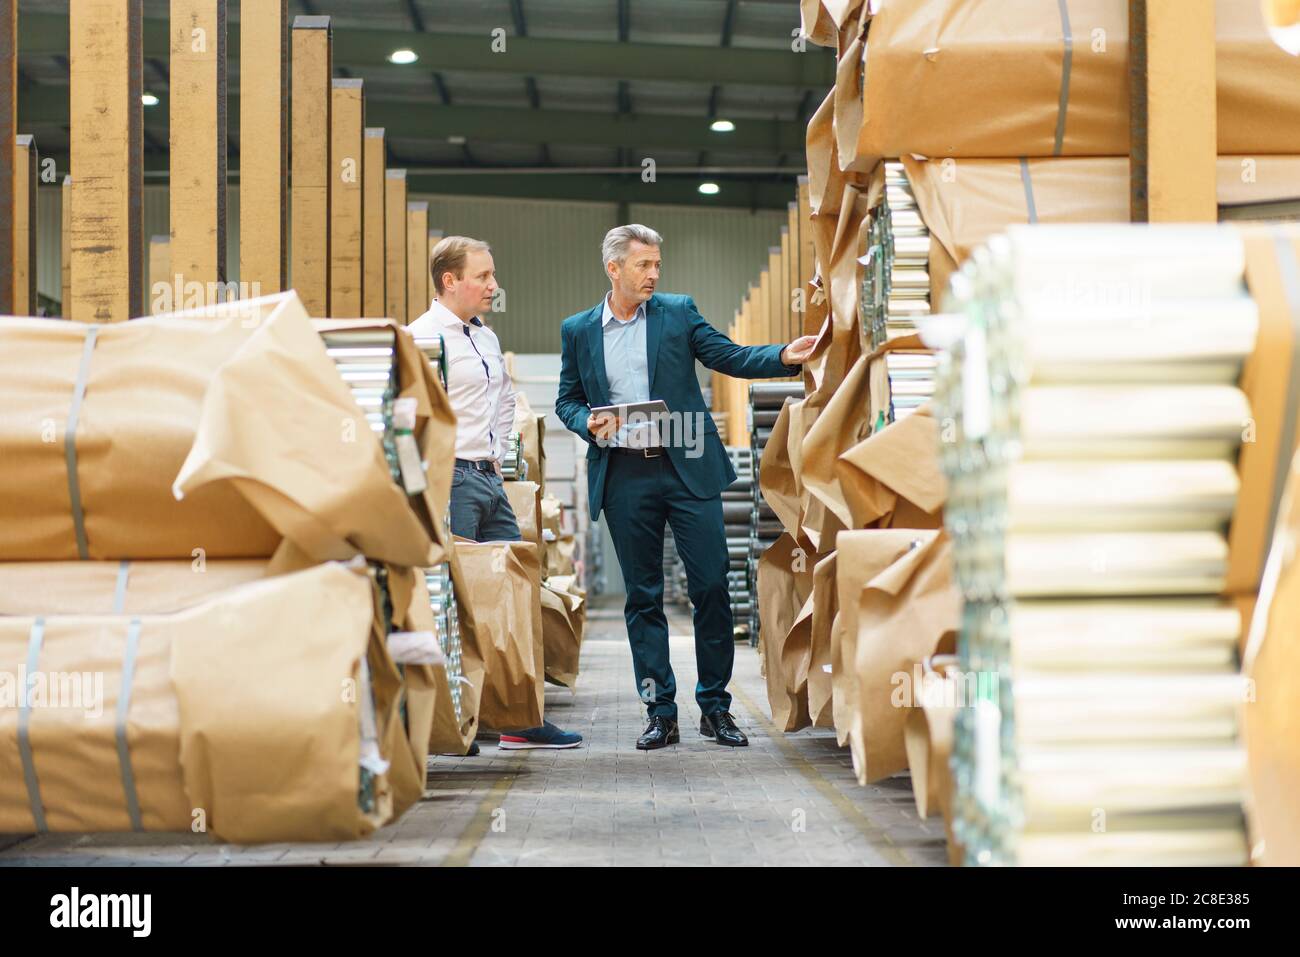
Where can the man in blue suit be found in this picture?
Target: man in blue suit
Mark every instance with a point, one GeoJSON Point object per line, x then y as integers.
{"type": "Point", "coordinates": [638, 345]}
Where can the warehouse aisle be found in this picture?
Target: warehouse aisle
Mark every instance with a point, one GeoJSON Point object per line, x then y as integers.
{"type": "Point", "coordinates": [606, 803]}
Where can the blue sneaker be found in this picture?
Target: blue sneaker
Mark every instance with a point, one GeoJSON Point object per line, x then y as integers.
{"type": "Point", "coordinates": [547, 736]}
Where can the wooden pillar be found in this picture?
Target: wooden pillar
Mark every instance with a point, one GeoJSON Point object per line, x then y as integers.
{"type": "Point", "coordinates": [395, 243]}
{"type": "Point", "coordinates": [373, 283]}
{"type": "Point", "coordinates": [1173, 111]}
{"type": "Point", "coordinates": [807, 254]}
{"type": "Point", "coordinates": [107, 139]}
{"type": "Point", "coordinates": [65, 241]}
{"type": "Point", "coordinates": [417, 260]}
{"type": "Point", "coordinates": [160, 277]}
{"type": "Point", "coordinates": [794, 318]}
{"type": "Point", "coordinates": [782, 286]}
{"type": "Point", "coordinates": [26, 174]}
{"type": "Point", "coordinates": [264, 146]}
{"type": "Point", "coordinates": [198, 145]}
{"type": "Point", "coordinates": [347, 120]}
{"type": "Point", "coordinates": [8, 130]}
{"type": "Point", "coordinates": [310, 206]}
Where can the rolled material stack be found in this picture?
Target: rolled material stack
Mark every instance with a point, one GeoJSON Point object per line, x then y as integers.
{"type": "Point", "coordinates": [765, 402]}
{"type": "Point", "coordinates": [513, 466]}
{"type": "Point", "coordinates": [896, 282]}
{"type": "Point", "coordinates": [1098, 419]}
{"type": "Point", "coordinates": [201, 499]}
{"type": "Point", "coordinates": [737, 515]}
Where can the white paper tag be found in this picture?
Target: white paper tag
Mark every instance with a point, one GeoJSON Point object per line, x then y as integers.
{"type": "Point", "coordinates": [415, 648]}
{"type": "Point", "coordinates": [404, 414]}
{"type": "Point", "coordinates": [988, 752]}
{"type": "Point", "coordinates": [408, 460]}
{"type": "Point", "coordinates": [976, 411]}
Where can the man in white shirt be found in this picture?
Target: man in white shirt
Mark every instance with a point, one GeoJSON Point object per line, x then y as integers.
{"type": "Point", "coordinates": [483, 398]}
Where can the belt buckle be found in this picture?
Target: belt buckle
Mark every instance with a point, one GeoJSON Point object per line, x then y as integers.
{"type": "Point", "coordinates": [652, 453]}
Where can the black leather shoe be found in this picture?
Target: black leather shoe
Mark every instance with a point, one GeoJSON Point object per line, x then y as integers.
{"type": "Point", "coordinates": [721, 727]}
{"type": "Point", "coordinates": [659, 733]}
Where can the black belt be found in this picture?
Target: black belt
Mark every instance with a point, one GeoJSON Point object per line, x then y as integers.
{"type": "Point", "coordinates": [485, 466]}
{"type": "Point", "coordinates": [652, 453]}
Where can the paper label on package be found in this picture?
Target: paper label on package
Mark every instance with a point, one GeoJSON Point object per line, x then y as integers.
{"type": "Point", "coordinates": [408, 460]}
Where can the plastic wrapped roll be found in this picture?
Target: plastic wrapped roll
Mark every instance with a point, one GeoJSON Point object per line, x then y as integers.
{"type": "Point", "coordinates": [1155, 563]}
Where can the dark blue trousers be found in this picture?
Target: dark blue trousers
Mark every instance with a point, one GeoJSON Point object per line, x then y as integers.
{"type": "Point", "coordinates": [640, 496]}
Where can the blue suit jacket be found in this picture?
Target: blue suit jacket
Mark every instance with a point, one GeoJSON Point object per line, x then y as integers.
{"type": "Point", "coordinates": [676, 335]}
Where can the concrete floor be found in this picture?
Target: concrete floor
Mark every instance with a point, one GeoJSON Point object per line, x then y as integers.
{"type": "Point", "coordinates": [782, 800]}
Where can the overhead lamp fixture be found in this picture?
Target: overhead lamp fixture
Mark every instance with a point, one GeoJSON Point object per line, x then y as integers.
{"type": "Point", "coordinates": [709, 189]}
{"type": "Point", "coordinates": [148, 99]}
{"type": "Point", "coordinates": [723, 126]}
{"type": "Point", "coordinates": [402, 57]}
{"type": "Point", "coordinates": [456, 140]}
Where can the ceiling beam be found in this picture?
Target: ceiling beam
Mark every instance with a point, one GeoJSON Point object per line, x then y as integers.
{"type": "Point", "coordinates": [46, 105]}
{"type": "Point", "coordinates": [46, 34]}
{"type": "Point", "coordinates": [758, 192]}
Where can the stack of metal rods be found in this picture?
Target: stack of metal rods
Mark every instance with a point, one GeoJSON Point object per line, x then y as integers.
{"type": "Point", "coordinates": [896, 293]}
{"type": "Point", "coordinates": [442, 591]}
{"type": "Point", "coordinates": [442, 598]}
{"type": "Point", "coordinates": [737, 509]}
{"type": "Point", "coordinates": [367, 361]}
{"type": "Point", "coordinates": [1091, 482]}
{"type": "Point", "coordinates": [514, 467]}
{"type": "Point", "coordinates": [765, 402]}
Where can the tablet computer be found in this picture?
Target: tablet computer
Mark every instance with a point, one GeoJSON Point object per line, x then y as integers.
{"type": "Point", "coordinates": [645, 410]}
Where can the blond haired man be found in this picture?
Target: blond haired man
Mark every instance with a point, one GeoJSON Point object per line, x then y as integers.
{"type": "Point", "coordinates": [483, 398]}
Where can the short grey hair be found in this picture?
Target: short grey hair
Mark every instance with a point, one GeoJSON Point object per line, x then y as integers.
{"type": "Point", "coordinates": [618, 242]}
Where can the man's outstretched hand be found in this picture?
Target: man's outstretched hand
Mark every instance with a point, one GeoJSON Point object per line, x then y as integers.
{"type": "Point", "coordinates": [799, 351]}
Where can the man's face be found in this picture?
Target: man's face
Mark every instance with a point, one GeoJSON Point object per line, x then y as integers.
{"type": "Point", "coordinates": [472, 294]}
{"type": "Point", "coordinates": [635, 277]}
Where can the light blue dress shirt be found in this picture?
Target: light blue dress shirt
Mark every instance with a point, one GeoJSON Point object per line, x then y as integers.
{"type": "Point", "coordinates": [627, 367]}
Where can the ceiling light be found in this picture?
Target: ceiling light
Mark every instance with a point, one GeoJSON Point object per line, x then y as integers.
{"type": "Point", "coordinates": [456, 140]}
{"type": "Point", "coordinates": [149, 99]}
{"type": "Point", "coordinates": [709, 189]}
{"type": "Point", "coordinates": [722, 126]}
{"type": "Point", "coordinates": [402, 57]}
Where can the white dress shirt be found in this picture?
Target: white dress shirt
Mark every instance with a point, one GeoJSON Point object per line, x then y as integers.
{"type": "Point", "coordinates": [481, 393]}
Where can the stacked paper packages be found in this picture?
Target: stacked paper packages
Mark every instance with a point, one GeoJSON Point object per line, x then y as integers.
{"type": "Point", "coordinates": [185, 486]}
{"type": "Point", "coordinates": [1102, 508]}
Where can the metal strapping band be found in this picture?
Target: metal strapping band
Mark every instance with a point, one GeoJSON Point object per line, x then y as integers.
{"type": "Point", "coordinates": [1029, 190]}
{"type": "Point", "coordinates": [24, 719]}
{"type": "Point", "coordinates": [70, 442]}
{"type": "Point", "coordinates": [1067, 67]}
{"type": "Point", "coordinates": [123, 707]}
{"type": "Point", "coordinates": [119, 593]}
{"type": "Point", "coordinates": [1289, 267]}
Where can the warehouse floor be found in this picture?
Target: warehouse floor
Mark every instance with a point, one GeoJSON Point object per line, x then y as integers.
{"type": "Point", "coordinates": [782, 800]}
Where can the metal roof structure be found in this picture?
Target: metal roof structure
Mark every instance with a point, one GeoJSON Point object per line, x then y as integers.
{"type": "Point", "coordinates": [572, 100]}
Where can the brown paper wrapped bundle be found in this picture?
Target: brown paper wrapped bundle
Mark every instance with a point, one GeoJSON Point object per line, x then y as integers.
{"type": "Point", "coordinates": [927, 736]}
{"type": "Point", "coordinates": [501, 583]}
{"type": "Point", "coordinates": [532, 440]}
{"type": "Point", "coordinates": [965, 202]}
{"type": "Point", "coordinates": [1272, 721]}
{"type": "Point", "coordinates": [903, 613]}
{"type": "Point", "coordinates": [206, 687]}
{"type": "Point", "coordinates": [279, 427]}
{"type": "Point", "coordinates": [526, 501]}
{"type": "Point", "coordinates": [563, 621]}
{"type": "Point", "coordinates": [560, 556]}
{"type": "Point", "coordinates": [893, 479]}
{"type": "Point", "coordinates": [137, 389]}
{"type": "Point", "coordinates": [784, 601]}
{"type": "Point", "coordinates": [845, 421]}
{"type": "Point", "coordinates": [168, 587]}
{"type": "Point", "coordinates": [992, 79]}
{"type": "Point", "coordinates": [1271, 381]}
{"type": "Point", "coordinates": [776, 478]}
{"type": "Point", "coordinates": [825, 609]}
